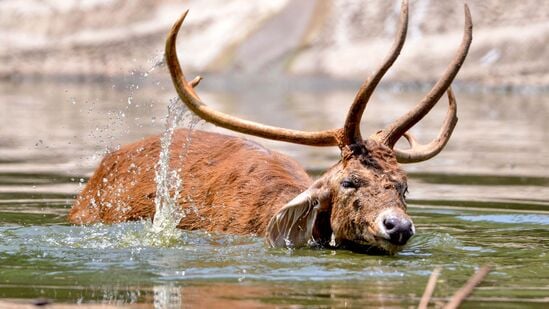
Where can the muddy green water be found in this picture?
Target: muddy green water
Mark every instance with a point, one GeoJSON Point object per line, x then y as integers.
{"type": "Point", "coordinates": [484, 200]}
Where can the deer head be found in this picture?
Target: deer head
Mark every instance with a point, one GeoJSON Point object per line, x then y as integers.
{"type": "Point", "coordinates": [360, 201]}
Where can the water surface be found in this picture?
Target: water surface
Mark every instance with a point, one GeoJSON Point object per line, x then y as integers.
{"type": "Point", "coordinates": [484, 200]}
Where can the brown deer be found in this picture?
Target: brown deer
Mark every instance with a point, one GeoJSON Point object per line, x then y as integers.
{"type": "Point", "coordinates": [236, 186]}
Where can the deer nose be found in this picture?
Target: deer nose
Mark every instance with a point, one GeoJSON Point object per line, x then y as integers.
{"type": "Point", "coordinates": [398, 229]}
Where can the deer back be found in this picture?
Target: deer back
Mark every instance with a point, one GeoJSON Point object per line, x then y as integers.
{"type": "Point", "coordinates": [229, 184]}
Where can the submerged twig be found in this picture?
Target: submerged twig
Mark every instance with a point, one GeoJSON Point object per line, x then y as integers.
{"type": "Point", "coordinates": [429, 289]}
{"type": "Point", "coordinates": [462, 293]}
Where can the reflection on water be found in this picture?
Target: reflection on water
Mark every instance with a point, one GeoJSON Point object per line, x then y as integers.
{"type": "Point", "coordinates": [119, 264]}
{"type": "Point", "coordinates": [514, 218]}
{"type": "Point", "coordinates": [485, 199]}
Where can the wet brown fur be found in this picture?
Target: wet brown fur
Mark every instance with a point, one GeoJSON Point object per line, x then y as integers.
{"type": "Point", "coordinates": [230, 184]}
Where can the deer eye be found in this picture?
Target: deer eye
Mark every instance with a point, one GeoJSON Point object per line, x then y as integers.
{"type": "Point", "coordinates": [349, 184]}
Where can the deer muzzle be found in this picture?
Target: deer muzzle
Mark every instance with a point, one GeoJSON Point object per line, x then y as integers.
{"type": "Point", "coordinates": [395, 226]}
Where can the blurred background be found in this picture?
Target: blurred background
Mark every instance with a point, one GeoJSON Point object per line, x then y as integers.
{"type": "Point", "coordinates": [81, 75]}
{"type": "Point", "coordinates": [342, 39]}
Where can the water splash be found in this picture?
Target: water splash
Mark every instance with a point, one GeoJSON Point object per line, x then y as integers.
{"type": "Point", "coordinates": [162, 230]}
{"type": "Point", "coordinates": [168, 181]}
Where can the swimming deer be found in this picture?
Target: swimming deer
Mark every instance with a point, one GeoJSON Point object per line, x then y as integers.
{"type": "Point", "coordinates": [237, 186]}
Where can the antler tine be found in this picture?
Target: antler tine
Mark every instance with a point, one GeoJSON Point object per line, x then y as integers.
{"type": "Point", "coordinates": [352, 123]}
{"type": "Point", "coordinates": [392, 134]}
{"type": "Point", "coordinates": [194, 83]}
{"type": "Point", "coordinates": [187, 95]}
{"type": "Point", "coordinates": [418, 152]}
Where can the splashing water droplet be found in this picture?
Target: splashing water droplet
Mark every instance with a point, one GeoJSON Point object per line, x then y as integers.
{"type": "Point", "coordinates": [168, 182]}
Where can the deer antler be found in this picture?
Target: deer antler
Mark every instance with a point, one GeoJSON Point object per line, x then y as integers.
{"type": "Point", "coordinates": [352, 123]}
{"type": "Point", "coordinates": [350, 133]}
{"type": "Point", "coordinates": [417, 152]}
{"type": "Point", "coordinates": [395, 131]}
{"type": "Point", "coordinates": [188, 95]}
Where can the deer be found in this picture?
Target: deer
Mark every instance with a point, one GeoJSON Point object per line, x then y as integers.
{"type": "Point", "coordinates": [236, 186]}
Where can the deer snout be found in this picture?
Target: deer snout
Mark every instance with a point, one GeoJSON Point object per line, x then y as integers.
{"type": "Point", "coordinates": [396, 227]}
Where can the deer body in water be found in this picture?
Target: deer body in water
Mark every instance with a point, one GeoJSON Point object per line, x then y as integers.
{"type": "Point", "coordinates": [236, 186]}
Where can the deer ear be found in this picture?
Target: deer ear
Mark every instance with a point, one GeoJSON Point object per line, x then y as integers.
{"type": "Point", "coordinates": [293, 225]}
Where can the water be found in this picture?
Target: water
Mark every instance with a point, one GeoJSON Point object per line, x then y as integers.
{"type": "Point", "coordinates": [484, 200]}
{"type": "Point", "coordinates": [168, 178]}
